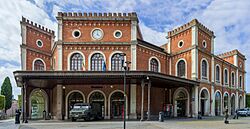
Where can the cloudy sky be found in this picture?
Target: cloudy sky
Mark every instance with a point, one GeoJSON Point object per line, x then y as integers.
{"type": "Point", "coordinates": [229, 19]}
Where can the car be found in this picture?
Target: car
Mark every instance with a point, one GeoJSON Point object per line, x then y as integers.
{"type": "Point", "coordinates": [243, 112]}
{"type": "Point", "coordinates": [248, 111]}
{"type": "Point", "coordinates": [86, 111]}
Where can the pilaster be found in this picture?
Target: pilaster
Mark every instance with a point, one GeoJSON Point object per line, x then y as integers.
{"type": "Point", "coordinates": [133, 44]}
{"type": "Point", "coordinates": [59, 105]}
{"type": "Point", "coordinates": [195, 101]}
{"type": "Point", "coordinates": [213, 101]}
{"type": "Point", "coordinates": [60, 62]}
{"type": "Point", "coordinates": [23, 58]}
{"type": "Point", "coordinates": [133, 114]}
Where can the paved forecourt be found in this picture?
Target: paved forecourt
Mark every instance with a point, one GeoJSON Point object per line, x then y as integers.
{"type": "Point", "coordinates": [242, 123]}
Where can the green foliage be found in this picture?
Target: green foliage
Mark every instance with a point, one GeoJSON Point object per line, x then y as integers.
{"type": "Point", "coordinates": [247, 100]}
{"type": "Point", "coordinates": [2, 102]}
{"type": "Point", "coordinates": [6, 90]}
{"type": "Point", "coordinates": [19, 101]}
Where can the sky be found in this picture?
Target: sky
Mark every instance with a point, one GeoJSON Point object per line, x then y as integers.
{"type": "Point", "coordinates": [229, 19]}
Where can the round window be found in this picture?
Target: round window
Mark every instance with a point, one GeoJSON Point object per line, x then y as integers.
{"type": "Point", "coordinates": [76, 33]}
{"type": "Point", "coordinates": [117, 34]}
{"type": "Point", "coordinates": [180, 44]}
{"type": "Point", "coordinates": [39, 43]}
{"type": "Point", "coordinates": [204, 44]}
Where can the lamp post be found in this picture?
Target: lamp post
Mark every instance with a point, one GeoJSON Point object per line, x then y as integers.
{"type": "Point", "coordinates": [63, 103]}
{"type": "Point", "coordinates": [125, 67]}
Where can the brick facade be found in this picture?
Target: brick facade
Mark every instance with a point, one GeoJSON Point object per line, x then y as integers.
{"type": "Point", "coordinates": [197, 46]}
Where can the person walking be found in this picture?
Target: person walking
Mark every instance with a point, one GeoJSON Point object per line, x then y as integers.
{"type": "Point", "coordinates": [236, 114]}
{"type": "Point", "coordinates": [226, 116]}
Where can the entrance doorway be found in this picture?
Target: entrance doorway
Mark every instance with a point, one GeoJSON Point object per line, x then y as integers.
{"type": "Point", "coordinates": [217, 104]}
{"type": "Point", "coordinates": [233, 104]}
{"type": "Point", "coordinates": [74, 97]}
{"type": "Point", "coordinates": [117, 105]}
{"type": "Point", "coordinates": [181, 101]}
{"type": "Point", "coordinates": [98, 99]}
{"type": "Point", "coordinates": [204, 102]}
{"type": "Point", "coordinates": [38, 104]}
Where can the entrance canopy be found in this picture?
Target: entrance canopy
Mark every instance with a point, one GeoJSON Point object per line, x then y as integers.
{"type": "Point", "coordinates": [49, 79]}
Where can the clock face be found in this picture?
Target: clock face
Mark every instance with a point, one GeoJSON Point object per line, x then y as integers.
{"type": "Point", "coordinates": [97, 34]}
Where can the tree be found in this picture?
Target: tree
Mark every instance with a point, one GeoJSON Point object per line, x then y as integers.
{"type": "Point", "coordinates": [2, 102]}
{"type": "Point", "coordinates": [248, 100]}
{"type": "Point", "coordinates": [6, 90]}
{"type": "Point", "coordinates": [19, 101]}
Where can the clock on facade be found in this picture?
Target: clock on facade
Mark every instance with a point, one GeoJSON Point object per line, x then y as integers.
{"type": "Point", "coordinates": [97, 34]}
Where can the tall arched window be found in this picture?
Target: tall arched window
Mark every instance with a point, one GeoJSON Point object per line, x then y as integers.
{"type": "Point", "coordinates": [181, 69]}
{"type": "Point", "coordinates": [117, 62]}
{"type": "Point", "coordinates": [76, 62]}
{"type": "Point", "coordinates": [97, 61]}
{"type": "Point", "coordinates": [39, 65]}
{"type": "Point", "coordinates": [204, 70]}
{"type": "Point", "coordinates": [232, 78]}
{"type": "Point", "coordinates": [226, 76]}
{"type": "Point", "coordinates": [240, 81]}
{"type": "Point", "coordinates": [217, 74]}
{"type": "Point", "coordinates": [154, 65]}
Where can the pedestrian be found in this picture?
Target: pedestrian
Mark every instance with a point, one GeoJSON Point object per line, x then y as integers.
{"type": "Point", "coordinates": [226, 116]}
{"type": "Point", "coordinates": [236, 114]}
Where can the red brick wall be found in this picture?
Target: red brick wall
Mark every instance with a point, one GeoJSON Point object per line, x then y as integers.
{"type": "Point", "coordinates": [87, 50]}
{"type": "Point", "coordinates": [143, 56]}
{"type": "Point", "coordinates": [31, 56]}
{"type": "Point", "coordinates": [208, 58]}
{"type": "Point", "coordinates": [186, 36]}
{"type": "Point", "coordinates": [202, 36]}
{"type": "Point", "coordinates": [86, 27]}
{"type": "Point", "coordinates": [187, 56]}
{"type": "Point", "coordinates": [33, 35]}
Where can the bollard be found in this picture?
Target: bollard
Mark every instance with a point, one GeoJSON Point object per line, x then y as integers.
{"type": "Point", "coordinates": [44, 115]}
{"type": "Point", "coordinates": [17, 117]}
{"type": "Point", "coordinates": [161, 118]}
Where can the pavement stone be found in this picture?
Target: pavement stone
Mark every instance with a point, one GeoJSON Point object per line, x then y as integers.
{"type": "Point", "coordinates": [216, 123]}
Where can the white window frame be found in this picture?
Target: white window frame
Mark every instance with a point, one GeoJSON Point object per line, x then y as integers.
{"type": "Point", "coordinates": [226, 84]}
{"type": "Point", "coordinates": [240, 82]}
{"type": "Point", "coordinates": [179, 43]}
{"type": "Point", "coordinates": [159, 63]}
{"type": "Point", "coordinates": [37, 43]}
{"type": "Point", "coordinates": [232, 78]}
{"type": "Point", "coordinates": [115, 35]}
{"type": "Point", "coordinates": [202, 78]}
{"type": "Point", "coordinates": [33, 63]}
{"type": "Point", "coordinates": [73, 52]}
{"type": "Point", "coordinates": [204, 46]}
{"type": "Point", "coordinates": [75, 31]}
{"type": "Point", "coordinates": [176, 67]}
{"type": "Point", "coordinates": [217, 65]}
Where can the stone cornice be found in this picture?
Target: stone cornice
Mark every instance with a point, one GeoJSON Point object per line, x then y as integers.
{"type": "Point", "coordinates": [35, 50]}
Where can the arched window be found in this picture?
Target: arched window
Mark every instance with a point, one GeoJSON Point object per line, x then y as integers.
{"type": "Point", "coordinates": [204, 70]}
{"type": "Point", "coordinates": [232, 78]}
{"type": "Point", "coordinates": [181, 69]}
{"type": "Point", "coordinates": [217, 74]}
{"type": "Point", "coordinates": [240, 81]}
{"type": "Point", "coordinates": [226, 76]}
{"type": "Point", "coordinates": [154, 65]}
{"type": "Point", "coordinates": [76, 62]}
{"type": "Point", "coordinates": [117, 62]}
{"type": "Point", "coordinates": [39, 65]}
{"type": "Point", "coordinates": [97, 61]}
{"type": "Point", "coordinates": [226, 100]}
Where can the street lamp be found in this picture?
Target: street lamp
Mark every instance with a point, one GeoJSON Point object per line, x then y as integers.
{"type": "Point", "coordinates": [126, 68]}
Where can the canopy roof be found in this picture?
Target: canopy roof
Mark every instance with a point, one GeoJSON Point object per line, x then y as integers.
{"type": "Point", "coordinates": [49, 79]}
